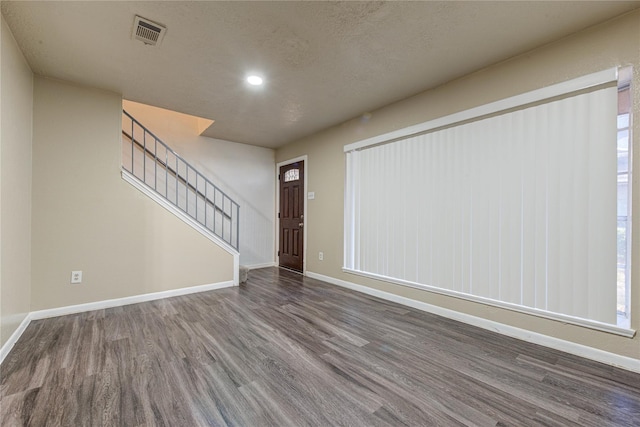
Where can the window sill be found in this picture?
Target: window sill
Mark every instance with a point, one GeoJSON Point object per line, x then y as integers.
{"type": "Point", "coordinates": [619, 329]}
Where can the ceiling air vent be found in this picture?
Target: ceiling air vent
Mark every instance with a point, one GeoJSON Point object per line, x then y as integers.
{"type": "Point", "coordinates": [147, 31]}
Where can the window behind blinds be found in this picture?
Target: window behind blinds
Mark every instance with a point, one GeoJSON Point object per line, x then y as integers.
{"type": "Point", "coordinates": [518, 208]}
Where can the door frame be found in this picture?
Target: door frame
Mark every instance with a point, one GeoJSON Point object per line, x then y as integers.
{"type": "Point", "coordinates": [304, 159]}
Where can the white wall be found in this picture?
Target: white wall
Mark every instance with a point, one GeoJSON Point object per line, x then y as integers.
{"type": "Point", "coordinates": [15, 185]}
{"type": "Point", "coordinates": [243, 171]}
{"type": "Point", "coordinates": [86, 217]}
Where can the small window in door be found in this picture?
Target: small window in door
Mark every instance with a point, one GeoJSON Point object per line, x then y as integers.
{"type": "Point", "coordinates": [292, 175]}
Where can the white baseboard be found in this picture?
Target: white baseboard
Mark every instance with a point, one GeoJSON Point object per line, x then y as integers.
{"type": "Point", "coordinates": [598, 355]}
{"type": "Point", "coordinates": [263, 265]}
{"type": "Point", "coordinates": [99, 305]}
{"type": "Point", "coordinates": [564, 318]}
{"type": "Point", "coordinates": [6, 348]}
{"type": "Point", "coordinates": [118, 302]}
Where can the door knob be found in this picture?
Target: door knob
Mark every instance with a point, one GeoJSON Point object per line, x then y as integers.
{"type": "Point", "coordinates": [301, 224]}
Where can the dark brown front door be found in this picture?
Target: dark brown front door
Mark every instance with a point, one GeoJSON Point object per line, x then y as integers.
{"type": "Point", "coordinates": [291, 215]}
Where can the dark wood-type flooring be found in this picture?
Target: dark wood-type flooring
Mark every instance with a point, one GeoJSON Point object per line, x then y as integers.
{"type": "Point", "coordinates": [283, 350]}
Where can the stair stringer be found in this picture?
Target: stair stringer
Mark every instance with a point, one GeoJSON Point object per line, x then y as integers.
{"type": "Point", "coordinates": [134, 181]}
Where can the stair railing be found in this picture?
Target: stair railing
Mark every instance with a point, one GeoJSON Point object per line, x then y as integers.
{"type": "Point", "coordinates": [161, 169]}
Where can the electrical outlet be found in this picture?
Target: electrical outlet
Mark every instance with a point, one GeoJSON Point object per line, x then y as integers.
{"type": "Point", "coordinates": [320, 256]}
{"type": "Point", "coordinates": [76, 276]}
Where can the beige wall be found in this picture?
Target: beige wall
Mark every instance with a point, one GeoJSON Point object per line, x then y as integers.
{"type": "Point", "coordinates": [244, 172]}
{"type": "Point", "coordinates": [15, 185]}
{"type": "Point", "coordinates": [85, 217]}
{"type": "Point", "coordinates": [611, 44]}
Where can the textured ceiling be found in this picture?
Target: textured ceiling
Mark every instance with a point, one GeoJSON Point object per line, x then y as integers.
{"type": "Point", "coordinates": [323, 62]}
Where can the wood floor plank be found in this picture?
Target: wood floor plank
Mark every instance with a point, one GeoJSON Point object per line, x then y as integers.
{"type": "Point", "coordinates": [286, 350]}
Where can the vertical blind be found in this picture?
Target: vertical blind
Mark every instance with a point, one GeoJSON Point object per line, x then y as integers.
{"type": "Point", "coordinates": [518, 207]}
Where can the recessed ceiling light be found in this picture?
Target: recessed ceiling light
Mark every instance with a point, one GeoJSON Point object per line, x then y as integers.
{"type": "Point", "coordinates": [254, 80]}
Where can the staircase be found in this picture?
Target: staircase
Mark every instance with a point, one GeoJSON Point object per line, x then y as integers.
{"type": "Point", "coordinates": [149, 161]}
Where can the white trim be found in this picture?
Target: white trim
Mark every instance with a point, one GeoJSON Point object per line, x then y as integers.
{"type": "Point", "coordinates": [99, 305]}
{"type": "Point", "coordinates": [591, 353]}
{"type": "Point", "coordinates": [263, 265]}
{"type": "Point", "coordinates": [236, 270]}
{"type": "Point", "coordinates": [574, 85]}
{"type": "Point", "coordinates": [565, 318]}
{"type": "Point", "coordinates": [304, 159]}
{"type": "Point", "coordinates": [131, 179]}
{"type": "Point", "coordinates": [6, 348]}
{"type": "Point", "coordinates": [135, 299]}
